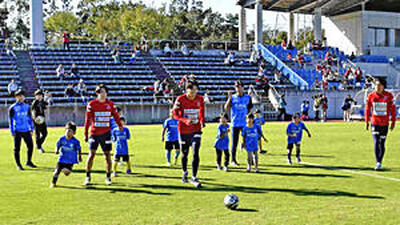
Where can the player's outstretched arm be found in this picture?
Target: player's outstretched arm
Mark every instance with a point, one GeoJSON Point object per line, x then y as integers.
{"type": "Point", "coordinates": [163, 134]}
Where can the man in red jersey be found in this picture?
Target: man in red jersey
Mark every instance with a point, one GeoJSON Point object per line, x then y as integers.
{"type": "Point", "coordinates": [380, 102]}
{"type": "Point", "coordinates": [98, 115]}
{"type": "Point", "coordinates": [189, 111]}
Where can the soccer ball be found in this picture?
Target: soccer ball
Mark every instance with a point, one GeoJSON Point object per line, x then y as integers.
{"type": "Point", "coordinates": [231, 201]}
{"type": "Point", "coordinates": [39, 120]}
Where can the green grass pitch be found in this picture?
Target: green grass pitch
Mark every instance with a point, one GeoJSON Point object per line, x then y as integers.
{"type": "Point", "coordinates": [154, 194]}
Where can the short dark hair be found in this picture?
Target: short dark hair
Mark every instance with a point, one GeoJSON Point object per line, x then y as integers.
{"type": "Point", "coordinates": [224, 115]}
{"type": "Point", "coordinates": [382, 81]}
{"type": "Point", "coordinates": [118, 108]}
{"type": "Point", "coordinates": [257, 111]}
{"type": "Point", "coordinates": [100, 86]}
{"type": "Point", "coordinates": [38, 92]}
{"type": "Point", "coordinates": [296, 115]}
{"type": "Point", "coordinates": [250, 116]}
{"type": "Point", "coordinates": [190, 85]}
{"type": "Point", "coordinates": [122, 118]}
{"type": "Point", "coordinates": [70, 125]}
{"type": "Point", "coordinates": [19, 92]}
{"type": "Point", "coordinates": [238, 83]}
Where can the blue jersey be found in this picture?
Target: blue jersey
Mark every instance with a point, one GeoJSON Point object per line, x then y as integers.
{"type": "Point", "coordinates": [295, 129]}
{"type": "Point", "coordinates": [113, 124]}
{"type": "Point", "coordinates": [251, 135]}
{"type": "Point", "coordinates": [120, 138]}
{"type": "Point", "coordinates": [68, 150]}
{"type": "Point", "coordinates": [222, 143]}
{"type": "Point", "coordinates": [240, 108]}
{"type": "Point", "coordinates": [305, 107]}
{"type": "Point", "coordinates": [172, 129]}
{"type": "Point", "coordinates": [20, 118]}
{"type": "Point", "coordinates": [259, 123]}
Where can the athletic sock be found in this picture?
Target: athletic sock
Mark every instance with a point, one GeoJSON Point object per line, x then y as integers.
{"type": "Point", "coordinates": [88, 174]}
{"type": "Point", "coordinates": [55, 178]}
{"type": "Point", "coordinates": [177, 154]}
{"type": "Point", "coordinates": [108, 174]}
{"type": "Point", "coordinates": [168, 155]}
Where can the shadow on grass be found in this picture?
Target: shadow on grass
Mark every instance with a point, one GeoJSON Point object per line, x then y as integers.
{"type": "Point", "coordinates": [163, 177]}
{"type": "Point", "coordinates": [175, 167]}
{"type": "Point", "coordinates": [331, 167]}
{"type": "Point", "coordinates": [113, 189]}
{"type": "Point", "coordinates": [232, 188]}
{"type": "Point", "coordinates": [245, 210]}
{"type": "Point", "coordinates": [303, 156]}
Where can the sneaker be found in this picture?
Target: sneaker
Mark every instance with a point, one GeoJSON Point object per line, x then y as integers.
{"type": "Point", "coordinates": [184, 177]}
{"type": "Point", "coordinates": [256, 170]}
{"type": "Point", "coordinates": [289, 161]}
{"type": "Point", "coordinates": [234, 163]}
{"type": "Point", "coordinates": [378, 166]}
{"type": "Point", "coordinates": [128, 171]}
{"type": "Point", "coordinates": [263, 152]}
{"type": "Point", "coordinates": [20, 167]}
{"type": "Point", "coordinates": [175, 161]}
{"type": "Point", "coordinates": [41, 150]}
{"type": "Point", "coordinates": [298, 159]}
{"type": "Point", "coordinates": [120, 163]}
{"type": "Point", "coordinates": [226, 169]}
{"type": "Point", "coordinates": [52, 185]}
{"type": "Point", "coordinates": [108, 181]}
{"type": "Point", "coordinates": [30, 164]}
{"type": "Point", "coordinates": [114, 174]}
{"type": "Point", "coordinates": [248, 169]}
{"type": "Point", "coordinates": [168, 164]}
{"type": "Point", "coordinates": [219, 167]}
{"type": "Point", "coordinates": [87, 181]}
{"type": "Point", "coordinates": [195, 182]}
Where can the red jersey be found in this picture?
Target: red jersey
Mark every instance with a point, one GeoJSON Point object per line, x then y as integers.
{"type": "Point", "coordinates": [186, 110]}
{"type": "Point", "coordinates": [382, 106]}
{"type": "Point", "coordinates": [98, 115]}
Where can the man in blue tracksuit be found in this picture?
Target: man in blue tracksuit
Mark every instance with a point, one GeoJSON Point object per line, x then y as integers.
{"type": "Point", "coordinates": [21, 126]}
{"type": "Point", "coordinates": [240, 105]}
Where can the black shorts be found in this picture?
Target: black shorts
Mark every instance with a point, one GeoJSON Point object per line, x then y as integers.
{"type": "Point", "coordinates": [104, 140]}
{"type": "Point", "coordinates": [169, 145]}
{"type": "Point", "coordinates": [125, 158]}
{"type": "Point", "coordinates": [61, 166]}
{"type": "Point", "coordinates": [290, 146]}
{"type": "Point", "coordinates": [186, 140]}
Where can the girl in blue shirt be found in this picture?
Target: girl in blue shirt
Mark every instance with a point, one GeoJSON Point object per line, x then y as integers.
{"type": "Point", "coordinates": [250, 136]}
{"type": "Point", "coordinates": [222, 141]}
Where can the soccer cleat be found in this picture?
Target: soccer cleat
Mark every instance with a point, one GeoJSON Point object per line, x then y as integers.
{"type": "Point", "coordinates": [226, 169]}
{"type": "Point", "coordinates": [128, 171]}
{"type": "Point", "coordinates": [114, 174]}
{"type": "Point", "coordinates": [87, 181]}
{"type": "Point", "coordinates": [108, 181]}
{"type": "Point", "coordinates": [184, 177]}
{"type": "Point", "coordinates": [256, 170]}
{"type": "Point", "coordinates": [52, 185]}
{"type": "Point", "coordinates": [195, 182]}
{"type": "Point", "coordinates": [41, 150]}
{"type": "Point", "coordinates": [30, 164]}
{"type": "Point", "coordinates": [298, 159]}
{"type": "Point", "coordinates": [168, 164]}
{"type": "Point", "coordinates": [263, 152]}
{"type": "Point", "coordinates": [234, 163]}
{"type": "Point", "coordinates": [20, 167]}
{"type": "Point", "coordinates": [248, 169]}
{"type": "Point", "coordinates": [219, 167]}
{"type": "Point", "coordinates": [289, 161]}
{"type": "Point", "coordinates": [378, 166]}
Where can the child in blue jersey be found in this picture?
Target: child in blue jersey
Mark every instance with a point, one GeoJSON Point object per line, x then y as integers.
{"type": "Point", "coordinates": [113, 124]}
{"type": "Point", "coordinates": [294, 132]}
{"type": "Point", "coordinates": [69, 149]}
{"type": "Point", "coordinates": [222, 141]}
{"type": "Point", "coordinates": [250, 134]}
{"type": "Point", "coordinates": [170, 126]}
{"type": "Point", "coordinates": [120, 138]}
{"type": "Point", "coordinates": [259, 122]}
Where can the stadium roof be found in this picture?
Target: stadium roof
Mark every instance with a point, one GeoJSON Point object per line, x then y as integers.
{"type": "Point", "coordinates": [328, 7]}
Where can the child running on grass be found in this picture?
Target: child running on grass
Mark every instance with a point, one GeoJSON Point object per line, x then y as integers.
{"type": "Point", "coordinates": [294, 132]}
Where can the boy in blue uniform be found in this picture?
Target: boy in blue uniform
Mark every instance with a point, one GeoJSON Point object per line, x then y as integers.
{"type": "Point", "coordinates": [259, 122]}
{"type": "Point", "coordinates": [21, 127]}
{"type": "Point", "coordinates": [170, 126]}
{"type": "Point", "coordinates": [294, 132]}
{"type": "Point", "coordinates": [250, 135]}
{"type": "Point", "coordinates": [222, 141]}
{"type": "Point", "coordinates": [69, 149]}
{"type": "Point", "coordinates": [120, 138]}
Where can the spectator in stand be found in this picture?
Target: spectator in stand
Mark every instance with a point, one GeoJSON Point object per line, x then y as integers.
{"type": "Point", "coordinates": [48, 98]}
{"type": "Point", "coordinates": [66, 40]}
{"type": "Point", "coordinates": [185, 51]}
{"type": "Point", "coordinates": [207, 98]}
{"type": "Point", "coordinates": [117, 58]}
{"type": "Point", "coordinates": [300, 59]}
{"type": "Point", "coordinates": [277, 76]}
{"type": "Point", "coordinates": [352, 56]}
{"type": "Point", "coordinates": [106, 42]}
{"type": "Point", "coordinates": [70, 92]}
{"type": "Point", "coordinates": [230, 59]}
{"type": "Point", "coordinates": [317, 84]}
{"type": "Point", "coordinates": [143, 43]}
{"type": "Point", "coordinates": [283, 44]}
{"type": "Point", "coordinates": [290, 45]}
{"type": "Point", "coordinates": [328, 58]}
{"type": "Point", "coordinates": [325, 84]}
{"type": "Point", "coordinates": [343, 85]}
{"type": "Point", "coordinates": [60, 72]}
{"type": "Point", "coordinates": [133, 56]}
{"type": "Point", "coordinates": [82, 90]}
{"type": "Point", "coordinates": [348, 72]}
{"type": "Point", "coordinates": [358, 75]}
{"type": "Point", "coordinates": [317, 106]}
{"type": "Point", "coordinates": [167, 50]}
{"type": "Point", "coordinates": [350, 79]}
{"type": "Point", "coordinates": [10, 53]}
{"type": "Point", "coordinates": [12, 88]}
{"type": "Point", "coordinates": [346, 108]}
{"type": "Point", "coordinates": [289, 58]}
{"type": "Point", "coordinates": [253, 58]}
{"type": "Point", "coordinates": [282, 108]}
{"type": "Point", "coordinates": [324, 105]}
{"type": "Point", "coordinates": [305, 108]}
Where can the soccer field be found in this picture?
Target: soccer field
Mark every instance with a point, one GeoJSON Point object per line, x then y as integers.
{"type": "Point", "coordinates": [342, 189]}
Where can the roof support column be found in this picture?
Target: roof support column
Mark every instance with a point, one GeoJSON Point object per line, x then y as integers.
{"type": "Point", "coordinates": [259, 23]}
{"type": "Point", "coordinates": [317, 24]}
{"type": "Point", "coordinates": [36, 32]}
{"type": "Point", "coordinates": [242, 29]}
{"type": "Point", "coordinates": [291, 28]}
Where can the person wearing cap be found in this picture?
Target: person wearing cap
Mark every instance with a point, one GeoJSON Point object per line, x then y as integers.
{"type": "Point", "coordinates": [240, 105]}
{"type": "Point", "coordinates": [21, 127]}
{"type": "Point", "coordinates": [38, 109]}
{"type": "Point", "coordinates": [380, 105]}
